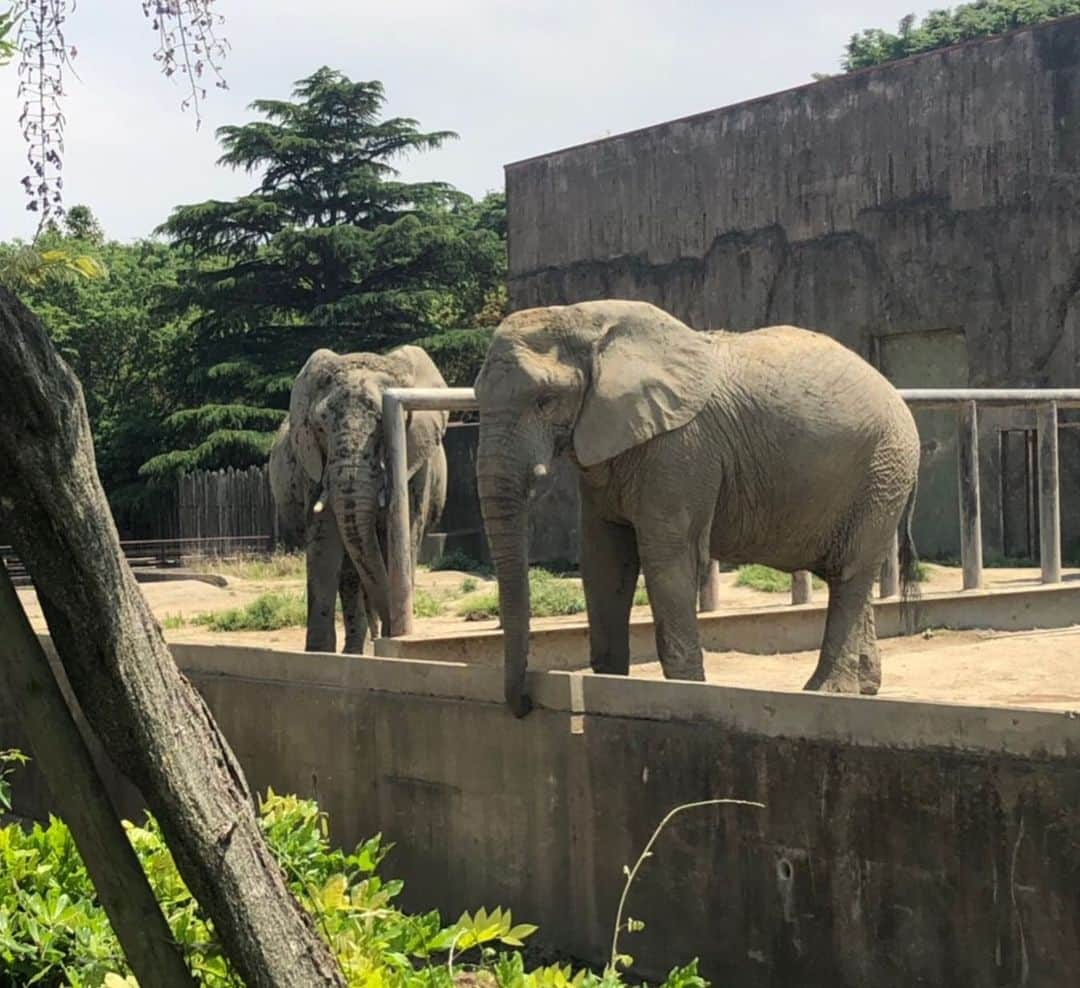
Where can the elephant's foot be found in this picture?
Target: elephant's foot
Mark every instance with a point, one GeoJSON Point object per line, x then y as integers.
{"type": "Point", "coordinates": [840, 679]}
{"type": "Point", "coordinates": [689, 672]}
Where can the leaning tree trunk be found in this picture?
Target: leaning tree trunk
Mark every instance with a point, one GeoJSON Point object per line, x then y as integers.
{"type": "Point", "coordinates": [83, 802]}
{"type": "Point", "coordinates": [152, 722]}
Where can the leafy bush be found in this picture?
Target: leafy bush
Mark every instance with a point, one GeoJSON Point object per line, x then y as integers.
{"type": "Point", "coordinates": [767, 579]}
{"type": "Point", "coordinates": [549, 596]}
{"type": "Point", "coordinates": [54, 933]}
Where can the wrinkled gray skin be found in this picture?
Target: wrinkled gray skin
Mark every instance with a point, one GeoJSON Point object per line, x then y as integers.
{"type": "Point", "coordinates": [777, 446]}
{"type": "Point", "coordinates": [334, 456]}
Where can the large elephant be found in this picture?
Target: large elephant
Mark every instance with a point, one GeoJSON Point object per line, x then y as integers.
{"type": "Point", "coordinates": [777, 446]}
{"type": "Point", "coordinates": [335, 435]}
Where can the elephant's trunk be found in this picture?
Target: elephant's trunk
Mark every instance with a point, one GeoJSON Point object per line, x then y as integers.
{"type": "Point", "coordinates": [352, 490]}
{"type": "Point", "coordinates": [503, 485]}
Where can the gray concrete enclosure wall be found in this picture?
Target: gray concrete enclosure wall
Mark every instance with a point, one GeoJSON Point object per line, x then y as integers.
{"type": "Point", "coordinates": [924, 213]}
{"type": "Point", "coordinates": [901, 843]}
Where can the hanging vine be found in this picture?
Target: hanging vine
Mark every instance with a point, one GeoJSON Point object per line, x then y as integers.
{"type": "Point", "coordinates": [188, 48]}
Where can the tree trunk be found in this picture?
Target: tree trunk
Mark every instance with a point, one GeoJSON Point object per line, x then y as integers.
{"type": "Point", "coordinates": [150, 719]}
{"type": "Point", "coordinates": [83, 803]}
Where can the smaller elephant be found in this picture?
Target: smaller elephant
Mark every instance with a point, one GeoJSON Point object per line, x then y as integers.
{"type": "Point", "coordinates": [778, 446]}
{"type": "Point", "coordinates": [335, 457]}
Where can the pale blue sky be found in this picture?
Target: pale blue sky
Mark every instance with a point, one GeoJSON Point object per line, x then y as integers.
{"type": "Point", "coordinates": [514, 79]}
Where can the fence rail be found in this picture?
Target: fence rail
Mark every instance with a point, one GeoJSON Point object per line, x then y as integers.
{"type": "Point", "coordinates": [965, 401]}
{"type": "Point", "coordinates": [158, 553]}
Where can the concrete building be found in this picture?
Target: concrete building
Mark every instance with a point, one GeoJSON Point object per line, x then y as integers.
{"type": "Point", "coordinates": [924, 213]}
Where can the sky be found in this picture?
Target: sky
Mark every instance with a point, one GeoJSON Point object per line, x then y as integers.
{"type": "Point", "coordinates": [514, 79]}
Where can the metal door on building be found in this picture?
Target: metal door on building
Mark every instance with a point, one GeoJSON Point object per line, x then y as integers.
{"type": "Point", "coordinates": [931, 359]}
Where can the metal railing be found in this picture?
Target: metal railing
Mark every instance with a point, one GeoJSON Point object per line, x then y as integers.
{"type": "Point", "coordinates": [398, 401]}
{"type": "Point", "coordinates": [160, 553]}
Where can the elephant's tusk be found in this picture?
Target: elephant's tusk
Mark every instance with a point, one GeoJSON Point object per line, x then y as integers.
{"type": "Point", "coordinates": [540, 471]}
{"type": "Point", "coordinates": [318, 506]}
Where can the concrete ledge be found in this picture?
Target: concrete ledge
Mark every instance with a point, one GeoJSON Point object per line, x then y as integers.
{"type": "Point", "coordinates": [861, 721]}
{"type": "Point", "coordinates": [173, 575]}
{"type": "Point", "coordinates": [855, 720]}
{"type": "Point", "coordinates": [761, 630]}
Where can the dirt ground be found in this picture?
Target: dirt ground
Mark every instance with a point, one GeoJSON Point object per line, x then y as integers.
{"type": "Point", "coordinates": [1033, 668]}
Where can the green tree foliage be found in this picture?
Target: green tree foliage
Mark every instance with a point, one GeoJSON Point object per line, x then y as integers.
{"type": "Point", "coordinates": [941, 28]}
{"type": "Point", "coordinates": [7, 46]}
{"type": "Point", "coordinates": [134, 361]}
{"type": "Point", "coordinates": [329, 249]}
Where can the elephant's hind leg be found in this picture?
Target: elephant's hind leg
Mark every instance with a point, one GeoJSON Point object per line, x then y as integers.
{"type": "Point", "coordinates": [869, 654]}
{"type": "Point", "coordinates": [609, 572]}
{"type": "Point", "coordinates": [838, 668]}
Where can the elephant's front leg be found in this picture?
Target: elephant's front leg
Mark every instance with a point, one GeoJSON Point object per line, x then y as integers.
{"type": "Point", "coordinates": [325, 554]}
{"type": "Point", "coordinates": [352, 609]}
{"type": "Point", "coordinates": [673, 577]}
{"type": "Point", "coordinates": [609, 571]}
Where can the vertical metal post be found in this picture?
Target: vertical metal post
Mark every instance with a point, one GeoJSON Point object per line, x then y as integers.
{"type": "Point", "coordinates": [967, 453]}
{"type": "Point", "coordinates": [1049, 509]}
{"type": "Point", "coordinates": [399, 551]}
{"type": "Point", "coordinates": [709, 596]}
{"type": "Point", "coordinates": [802, 587]}
{"type": "Point", "coordinates": [890, 569]}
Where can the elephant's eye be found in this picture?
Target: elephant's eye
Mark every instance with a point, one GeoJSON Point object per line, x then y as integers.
{"type": "Point", "coordinates": [546, 402]}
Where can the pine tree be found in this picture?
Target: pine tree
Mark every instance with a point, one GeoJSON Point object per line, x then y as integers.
{"type": "Point", "coordinates": [331, 248]}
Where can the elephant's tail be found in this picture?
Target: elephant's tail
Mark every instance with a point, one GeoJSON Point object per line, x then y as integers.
{"type": "Point", "coordinates": [909, 566]}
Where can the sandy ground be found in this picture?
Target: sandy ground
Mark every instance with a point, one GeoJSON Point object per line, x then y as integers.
{"type": "Point", "coordinates": [1034, 668]}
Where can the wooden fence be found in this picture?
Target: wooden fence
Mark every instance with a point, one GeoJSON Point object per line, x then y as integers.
{"type": "Point", "coordinates": [226, 508]}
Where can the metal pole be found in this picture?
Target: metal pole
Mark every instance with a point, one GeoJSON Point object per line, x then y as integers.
{"type": "Point", "coordinates": [890, 569]}
{"type": "Point", "coordinates": [967, 452]}
{"type": "Point", "coordinates": [709, 597]}
{"type": "Point", "coordinates": [1049, 509]}
{"type": "Point", "coordinates": [399, 552]}
{"type": "Point", "coordinates": [802, 587]}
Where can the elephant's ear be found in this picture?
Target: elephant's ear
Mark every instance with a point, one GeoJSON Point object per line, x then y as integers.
{"type": "Point", "coordinates": [308, 392]}
{"type": "Point", "coordinates": [425, 429]}
{"type": "Point", "coordinates": [650, 374]}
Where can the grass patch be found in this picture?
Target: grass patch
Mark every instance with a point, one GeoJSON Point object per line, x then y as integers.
{"type": "Point", "coordinates": [269, 612]}
{"type": "Point", "coordinates": [765, 578]}
{"type": "Point", "coordinates": [426, 604]}
{"type": "Point", "coordinates": [549, 596]}
{"type": "Point", "coordinates": [455, 559]}
{"type": "Point", "coordinates": [469, 585]}
{"type": "Point", "coordinates": [641, 596]}
{"type": "Point", "coordinates": [272, 566]}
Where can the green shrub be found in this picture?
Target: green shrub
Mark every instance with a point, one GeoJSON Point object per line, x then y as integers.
{"type": "Point", "coordinates": [549, 596]}
{"type": "Point", "coordinates": [426, 604]}
{"type": "Point", "coordinates": [54, 933]}
{"type": "Point", "coordinates": [268, 612]}
{"type": "Point", "coordinates": [767, 579]}
{"type": "Point", "coordinates": [469, 585]}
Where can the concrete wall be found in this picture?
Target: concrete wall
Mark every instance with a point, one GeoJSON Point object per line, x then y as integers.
{"type": "Point", "coordinates": [901, 843]}
{"type": "Point", "coordinates": [925, 213]}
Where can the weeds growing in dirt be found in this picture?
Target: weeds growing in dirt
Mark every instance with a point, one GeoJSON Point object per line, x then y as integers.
{"type": "Point", "coordinates": [765, 578]}
{"type": "Point", "coordinates": [272, 566]}
{"type": "Point", "coordinates": [549, 596]}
